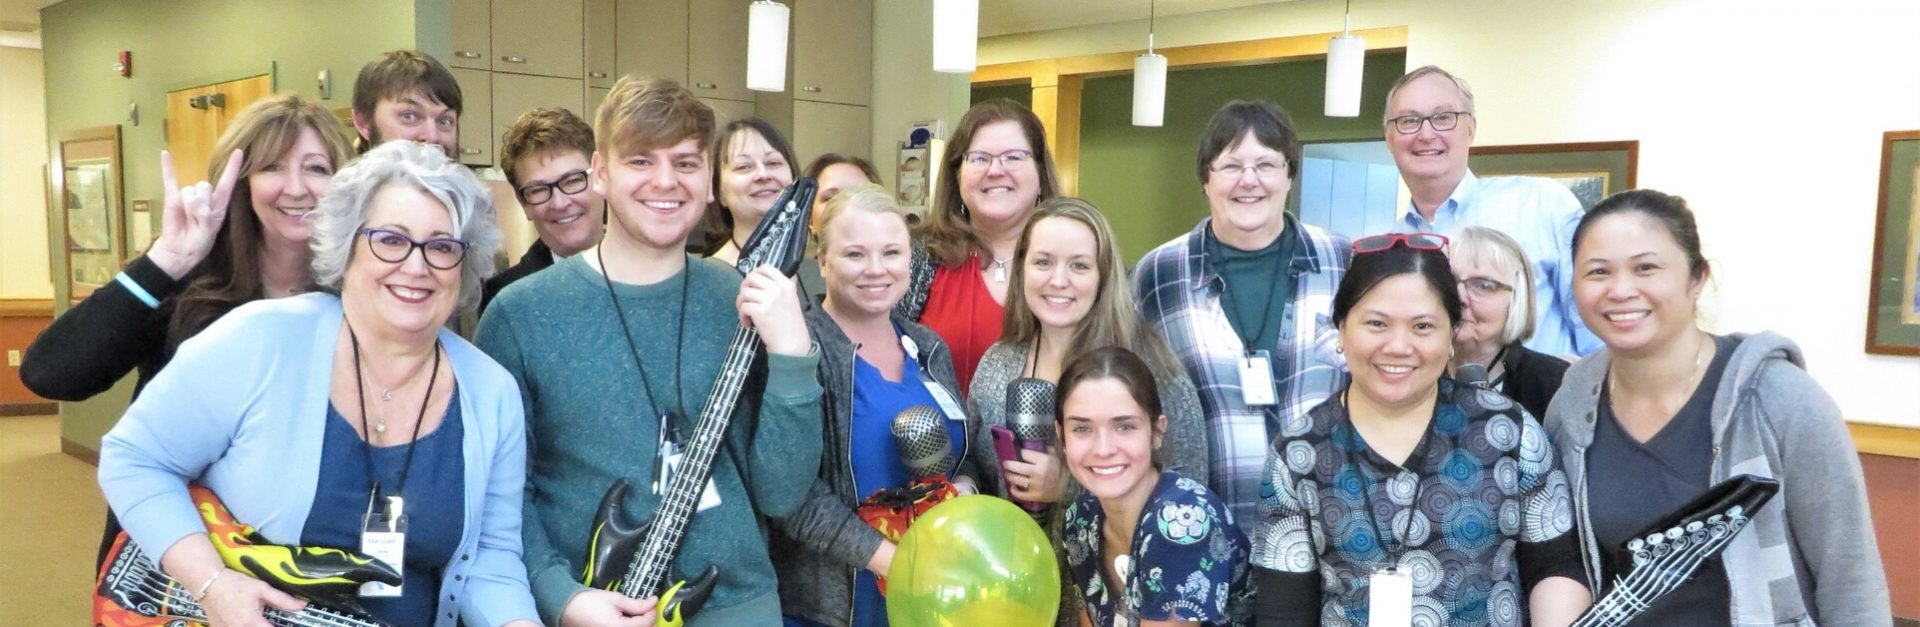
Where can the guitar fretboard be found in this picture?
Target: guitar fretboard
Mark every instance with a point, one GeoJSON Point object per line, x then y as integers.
{"type": "Point", "coordinates": [136, 585]}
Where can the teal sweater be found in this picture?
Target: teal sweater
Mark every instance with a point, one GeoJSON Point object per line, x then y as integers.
{"type": "Point", "coordinates": [588, 424]}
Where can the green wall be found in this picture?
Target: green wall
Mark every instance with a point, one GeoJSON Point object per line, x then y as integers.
{"type": "Point", "coordinates": [1143, 179]}
{"type": "Point", "coordinates": [185, 43]}
{"type": "Point", "coordinates": [1018, 92]}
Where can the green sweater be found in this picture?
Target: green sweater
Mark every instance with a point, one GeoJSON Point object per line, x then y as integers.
{"type": "Point", "coordinates": [589, 423]}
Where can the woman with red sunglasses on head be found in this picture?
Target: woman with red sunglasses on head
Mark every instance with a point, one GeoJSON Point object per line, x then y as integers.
{"type": "Point", "coordinates": [1413, 499]}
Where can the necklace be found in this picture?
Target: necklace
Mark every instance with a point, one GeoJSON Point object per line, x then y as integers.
{"type": "Point", "coordinates": [386, 394]}
{"type": "Point", "coordinates": [1699, 372]}
{"type": "Point", "coordinates": [1000, 270]}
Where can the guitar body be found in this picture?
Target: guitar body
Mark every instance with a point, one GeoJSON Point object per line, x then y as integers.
{"type": "Point", "coordinates": [616, 539]}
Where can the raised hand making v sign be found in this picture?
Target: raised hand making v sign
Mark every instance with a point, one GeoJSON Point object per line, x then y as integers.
{"type": "Point", "coordinates": [192, 217]}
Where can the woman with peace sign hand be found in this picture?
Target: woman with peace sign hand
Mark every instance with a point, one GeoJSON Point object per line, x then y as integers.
{"type": "Point", "coordinates": [221, 245]}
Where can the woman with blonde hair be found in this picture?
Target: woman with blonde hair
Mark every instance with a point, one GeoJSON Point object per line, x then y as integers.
{"type": "Point", "coordinates": [1496, 290]}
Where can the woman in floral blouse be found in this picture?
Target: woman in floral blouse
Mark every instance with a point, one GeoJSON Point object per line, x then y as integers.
{"type": "Point", "coordinates": [1144, 546]}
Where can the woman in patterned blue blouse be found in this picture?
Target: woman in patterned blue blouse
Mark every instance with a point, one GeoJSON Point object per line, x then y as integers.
{"type": "Point", "coordinates": [1145, 546]}
{"type": "Point", "coordinates": [1413, 500]}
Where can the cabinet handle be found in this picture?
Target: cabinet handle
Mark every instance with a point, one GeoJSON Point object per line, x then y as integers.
{"type": "Point", "coordinates": [810, 88]}
{"type": "Point", "coordinates": [469, 151]}
{"type": "Point", "coordinates": [706, 85]}
{"type": "Point", "coordinates": [466, 55]}
{"type": "Point", "coordinates": [596, 74]}
{"type": "Point", "coordinates": [513, 59]}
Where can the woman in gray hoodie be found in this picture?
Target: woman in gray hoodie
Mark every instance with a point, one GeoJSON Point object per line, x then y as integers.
{"type": "Point", "coordinates": [1669, 409]}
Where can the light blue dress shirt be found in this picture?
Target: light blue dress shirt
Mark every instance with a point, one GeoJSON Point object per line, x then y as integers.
{"type": "Point", "coordinates": [1540, 214]}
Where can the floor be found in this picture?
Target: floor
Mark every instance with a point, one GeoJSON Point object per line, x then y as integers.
{"type": "Point", "coordinates": [50, 517]}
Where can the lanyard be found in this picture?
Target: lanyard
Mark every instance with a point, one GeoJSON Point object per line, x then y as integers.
{"type": "Point", "coordinates": [1356, 461]}
{"type": "Point", "coordinates": [359, 382]}
{"type": "Point", "coordinates": [1217, 251]}
{"type": "Point", "coordinates": [679, 390]}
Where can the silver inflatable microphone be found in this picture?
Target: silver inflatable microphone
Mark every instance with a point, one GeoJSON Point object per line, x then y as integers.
{"type": "Point", "coordinates": [1474, 375]}
{"type": "Point", "coordinates": [1030, 412]}
{"type": "Point", "coordinates": [920, 436]}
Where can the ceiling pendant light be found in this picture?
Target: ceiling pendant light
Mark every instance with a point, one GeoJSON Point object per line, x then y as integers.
{"type": "Point", "coordinates": [956, 35]}
{"type": "Point", "coordinates": [1346, 60]}
{"type": "Point", "coordinates": [767, 45]}
{"type": "Point", "coordinates": [1149, 81]}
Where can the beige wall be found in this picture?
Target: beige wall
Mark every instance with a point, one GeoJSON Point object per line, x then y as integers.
{"type": "Point", "coordinates": [23, 187]}
{"type": "Point", "coordinates": [905, 88]}
{"type": "Point", "coordinates": [1766, 116]}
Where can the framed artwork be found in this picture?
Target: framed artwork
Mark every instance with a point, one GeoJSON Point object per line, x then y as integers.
{"type": "Point", "coordinates": [87, 192]}
{"type": "Point", "coordinates": [1591, 170]}
{"type": "Point", "coordinates": [1893, 309]}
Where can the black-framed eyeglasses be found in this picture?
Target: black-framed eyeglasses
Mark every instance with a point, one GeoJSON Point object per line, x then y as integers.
{"type": "Point", "coordinates": [391, 246]}
{"type": "Point", "coordinates": [570, 183]}
{"type": "Point", "coordinates": [1416, 241]}
{"type": "Point", "coordinates": [1010, 159]}
{"type": "Point", "coordinates": [1482, 287]}
{"type": "Point", "coordinates": [1441, 121]}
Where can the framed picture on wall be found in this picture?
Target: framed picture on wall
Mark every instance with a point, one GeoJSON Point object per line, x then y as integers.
{"type": "Point", "coordinates": [86, 190]}
{"type": "Point", "coordinates": [1592, 170]}
{"type": "Point", "coordinates": [1893, 302]}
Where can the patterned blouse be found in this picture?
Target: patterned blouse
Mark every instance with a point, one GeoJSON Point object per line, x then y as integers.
{"type": "Point", "coordinates": [1189, 561]}
{"type": "Point", "coordinates": [1479, 513]}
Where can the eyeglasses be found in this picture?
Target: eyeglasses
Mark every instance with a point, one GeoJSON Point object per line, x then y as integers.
{"type": "Point", "coordinates": [570, 183]}
{"type": "Point", "coordinates": [444, 253]}
{"type": "Point", "coordinates": [1441, 121]}
{"type": "Point", "coordinates": [1482, 287]}
{"type": "Point", "coordinates": [1009, 159]}
{"type": "Point", "coordinates": [1263, 169]}
{"type": "Point", "coordinates": [1415, 241]}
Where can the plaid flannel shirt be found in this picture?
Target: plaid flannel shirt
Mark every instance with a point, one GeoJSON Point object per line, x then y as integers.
{"type": "Point", "coordinates": [1179, 295]}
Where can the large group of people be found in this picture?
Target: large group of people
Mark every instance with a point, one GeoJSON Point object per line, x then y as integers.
{"type": "Point", "coordinates": [1261, 422]}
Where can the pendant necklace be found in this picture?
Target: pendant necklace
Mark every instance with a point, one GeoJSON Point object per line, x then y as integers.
{"type": "Point", "coordinates": [1000, 270]}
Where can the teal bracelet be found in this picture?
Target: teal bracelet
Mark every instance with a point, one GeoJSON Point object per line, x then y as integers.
{"type": "Point", "coordinates": [138, 292]}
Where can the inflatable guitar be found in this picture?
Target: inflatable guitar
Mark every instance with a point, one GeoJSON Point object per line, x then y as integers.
{"type": "Point", "coordinates": [635, 559]}
{"type": "Point", "coordinates": [131, 591]}
{"type": "Point", "coordinates": [1671, 551]}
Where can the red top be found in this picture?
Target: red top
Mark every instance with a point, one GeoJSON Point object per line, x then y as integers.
{"type": "Point", "coordinates": [962, 310]}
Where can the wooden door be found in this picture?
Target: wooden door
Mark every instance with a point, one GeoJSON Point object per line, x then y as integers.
{"type": "Point", "coordinates": [514, 94]}
{"type": "Point", "coordinates": [540, 37]}
{"type": "Point", "coordinates": [822, 127]}
{"type": "Point", "coordinates": [476, 116]}
{"type": "Point", "coordinates": [717, 58]}
{"type": "Point", "coordinates": [472, 32]}
{"type": "Point", "coordinates": [193, 131]}
{"type": "Point", "coordinates": [602, 18]}
{"type": "Point", "coordinates": [833, 51]}
{"type": "Point", "coordinates": [652, 39]}
{"type": "Point", "coordinates": [725, 111]}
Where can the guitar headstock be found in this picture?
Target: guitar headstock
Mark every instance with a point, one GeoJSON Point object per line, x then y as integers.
{"type": "Point", "coordinates": [781, 238]}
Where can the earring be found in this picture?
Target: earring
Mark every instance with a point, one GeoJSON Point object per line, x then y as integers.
{"type": "Point", "coordinates": [1340, 349]}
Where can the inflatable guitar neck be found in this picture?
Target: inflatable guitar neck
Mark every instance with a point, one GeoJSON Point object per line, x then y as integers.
{"type": "Point", "coordinates": [1671, 551]}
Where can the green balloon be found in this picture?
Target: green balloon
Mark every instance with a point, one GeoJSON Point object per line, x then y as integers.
{"type": "Point", "coordinates": [974, 560]}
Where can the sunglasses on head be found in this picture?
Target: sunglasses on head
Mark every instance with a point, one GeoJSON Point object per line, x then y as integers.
{"type": "Point", "coordinates": [1415, 241]}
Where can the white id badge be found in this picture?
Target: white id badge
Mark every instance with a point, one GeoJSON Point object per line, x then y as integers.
{"type": "Point", "coordinates": [384, 537]}
{"type": "Point", "coordinates": [943, 398]}
{"type": "Point", "coordinates": [1256, 379]}
{"type": "Point", "coordinates": [1389, 599]}
{"type": "Point", "coordinates": [709, 497]}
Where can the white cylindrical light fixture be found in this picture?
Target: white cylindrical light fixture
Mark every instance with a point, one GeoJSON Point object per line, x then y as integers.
{"type": "Point", "coordinates": [767, 45]}
{"type": "Point", "coordinates": [1346, 59]}
{"type": "Point", "coordinates": [1149, 89]}
{"type": "Point", "coordinates": [956, 35]}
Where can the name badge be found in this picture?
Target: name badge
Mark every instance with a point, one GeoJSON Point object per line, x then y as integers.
{"type": "Point", "coordinates": [709, 497]}
{"type": "Point", "coordinates": [1256, 379]}
{"type": "Point", "coordinates": [1390, 599]}
{"type": "Point", "coordinates": [383, 536]}
{"type": "Point", "coordinates": [949, 405]}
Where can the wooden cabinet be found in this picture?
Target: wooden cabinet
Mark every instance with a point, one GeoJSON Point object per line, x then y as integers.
{"type": "Point", "coordinates": [725, 111]}
{"type": "Point", "coordinates": [595, 96]}
{"type": "Point", "coordinates": [601, 23]}
{"type": "Point", "coordinates": [542, 37]}
{"type": "Point", "coordinates": [515, 94]}
{"type": "Point", "coordinates": [717, 57]}
{"type": "Point", "coordinates": [833, 51]}
{"type": "Point", "coordinates": [472, 32]}
{"type": "Point", "coordinates": [652, 38]}
{"type": "Point", "coordinates": [476, 116]}
{"type": "Point", "coordinates": [823, 127]}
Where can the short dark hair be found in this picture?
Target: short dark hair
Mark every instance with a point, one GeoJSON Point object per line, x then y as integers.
{"type": "Point", "coordinates": [1367, 270]}
{"type": "Point", "coordinates": [831, 159]}
{"type": "Point", "coordinates": [1270, 124]}
{"type": "Point", "coordinates": [543, 131]}
{"type": "Point", "coordinates": [1667, 210]}
{"type": "Point", "coordinates": [398, 73]}
{"type": "Point", "coordinates": [716, 227]}
{"type": "Point", "coordinates": [1111, 362]}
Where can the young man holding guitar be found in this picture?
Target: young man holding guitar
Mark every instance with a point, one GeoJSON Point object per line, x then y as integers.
{"type": "Point", "coordinates": [617, 351]}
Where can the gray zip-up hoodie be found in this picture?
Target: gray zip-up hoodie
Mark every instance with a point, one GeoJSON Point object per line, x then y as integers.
{"type": "Point", "coordinates": [820, 547]}
{"type": "Point", "coordinates": [1809, 557]}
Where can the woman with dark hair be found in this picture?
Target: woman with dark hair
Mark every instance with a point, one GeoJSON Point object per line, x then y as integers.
{"type": "Point", "coordinates": [752, 164]}
{"type": "Point", "coordinates": [220, 246]}
{"type": "Point", "coordinates": [1496, 318]}
{"type": "Point", "coordinates": [1412, 498]}
{"type": "Point", "coordinates": [836, 172]}
{"type": "Point", "coordinates": [1668, 409]}
{"type": "Point", "coordinates": [1145, 546]}
{"type": "Point", "coordinates": [996, 169]}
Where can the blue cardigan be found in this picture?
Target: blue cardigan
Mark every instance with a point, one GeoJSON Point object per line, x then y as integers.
{"type": "Point", "coordinates": [242, 409]}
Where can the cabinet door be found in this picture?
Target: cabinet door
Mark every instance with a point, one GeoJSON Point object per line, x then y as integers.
{"type": "Point", "coordinates": [476, 116]}
{"type": "Point", "coordinates": [601, 20]}
{"type": "Point", "coordinates": [595, 96]}
{"type": "Point", "coordinates": [652, 38]}
{"type": "Point", "coordinates": [543, 37]}
{"type": "Point", "coordinates": [717, 60]}
{"type": "Point", "coordinates": [472, 31]}
{"type": "Point", "coordinates": [821, 127]}
{"type": "Point", "coordinates": [514, 94]}
{"type": "Point", "coordinates": [725, 111]}
{"type": "Point", "coordinates": [833, 51]}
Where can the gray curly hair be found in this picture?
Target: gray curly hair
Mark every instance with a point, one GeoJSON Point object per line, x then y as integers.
{"type": "Point", "coordinates": [339, 216]}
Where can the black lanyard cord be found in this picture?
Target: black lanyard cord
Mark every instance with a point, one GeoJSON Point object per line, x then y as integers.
{"type": "Point", "coordinates": [1366, 492]}
{"type": "Point", "coordinates": [1219, 255]}
{"type": "Point", "coordinates": [360, 386]}
{"type": "Point", "coordinates": [679, 390]}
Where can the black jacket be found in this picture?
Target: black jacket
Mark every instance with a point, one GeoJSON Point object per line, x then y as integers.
{"type": "Point", "coordinates": [538, 257]}
{"type": "Point", "coordinates": [1533, 378]}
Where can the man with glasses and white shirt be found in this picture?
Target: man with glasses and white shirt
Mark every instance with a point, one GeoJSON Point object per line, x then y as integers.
{"type": "Point", "coordinates": [545, 155]}
{"type": "Point", "coordinates": [1429, 127]}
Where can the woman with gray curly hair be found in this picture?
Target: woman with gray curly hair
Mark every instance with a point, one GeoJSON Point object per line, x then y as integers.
{"type": "Point", "coordinates": [415, 455]}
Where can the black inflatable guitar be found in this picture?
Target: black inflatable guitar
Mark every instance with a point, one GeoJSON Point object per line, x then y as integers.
{"type": "Point", "coordinates": [636, 559]}
{"type": "Point", "coordinates": [1671, 551]}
